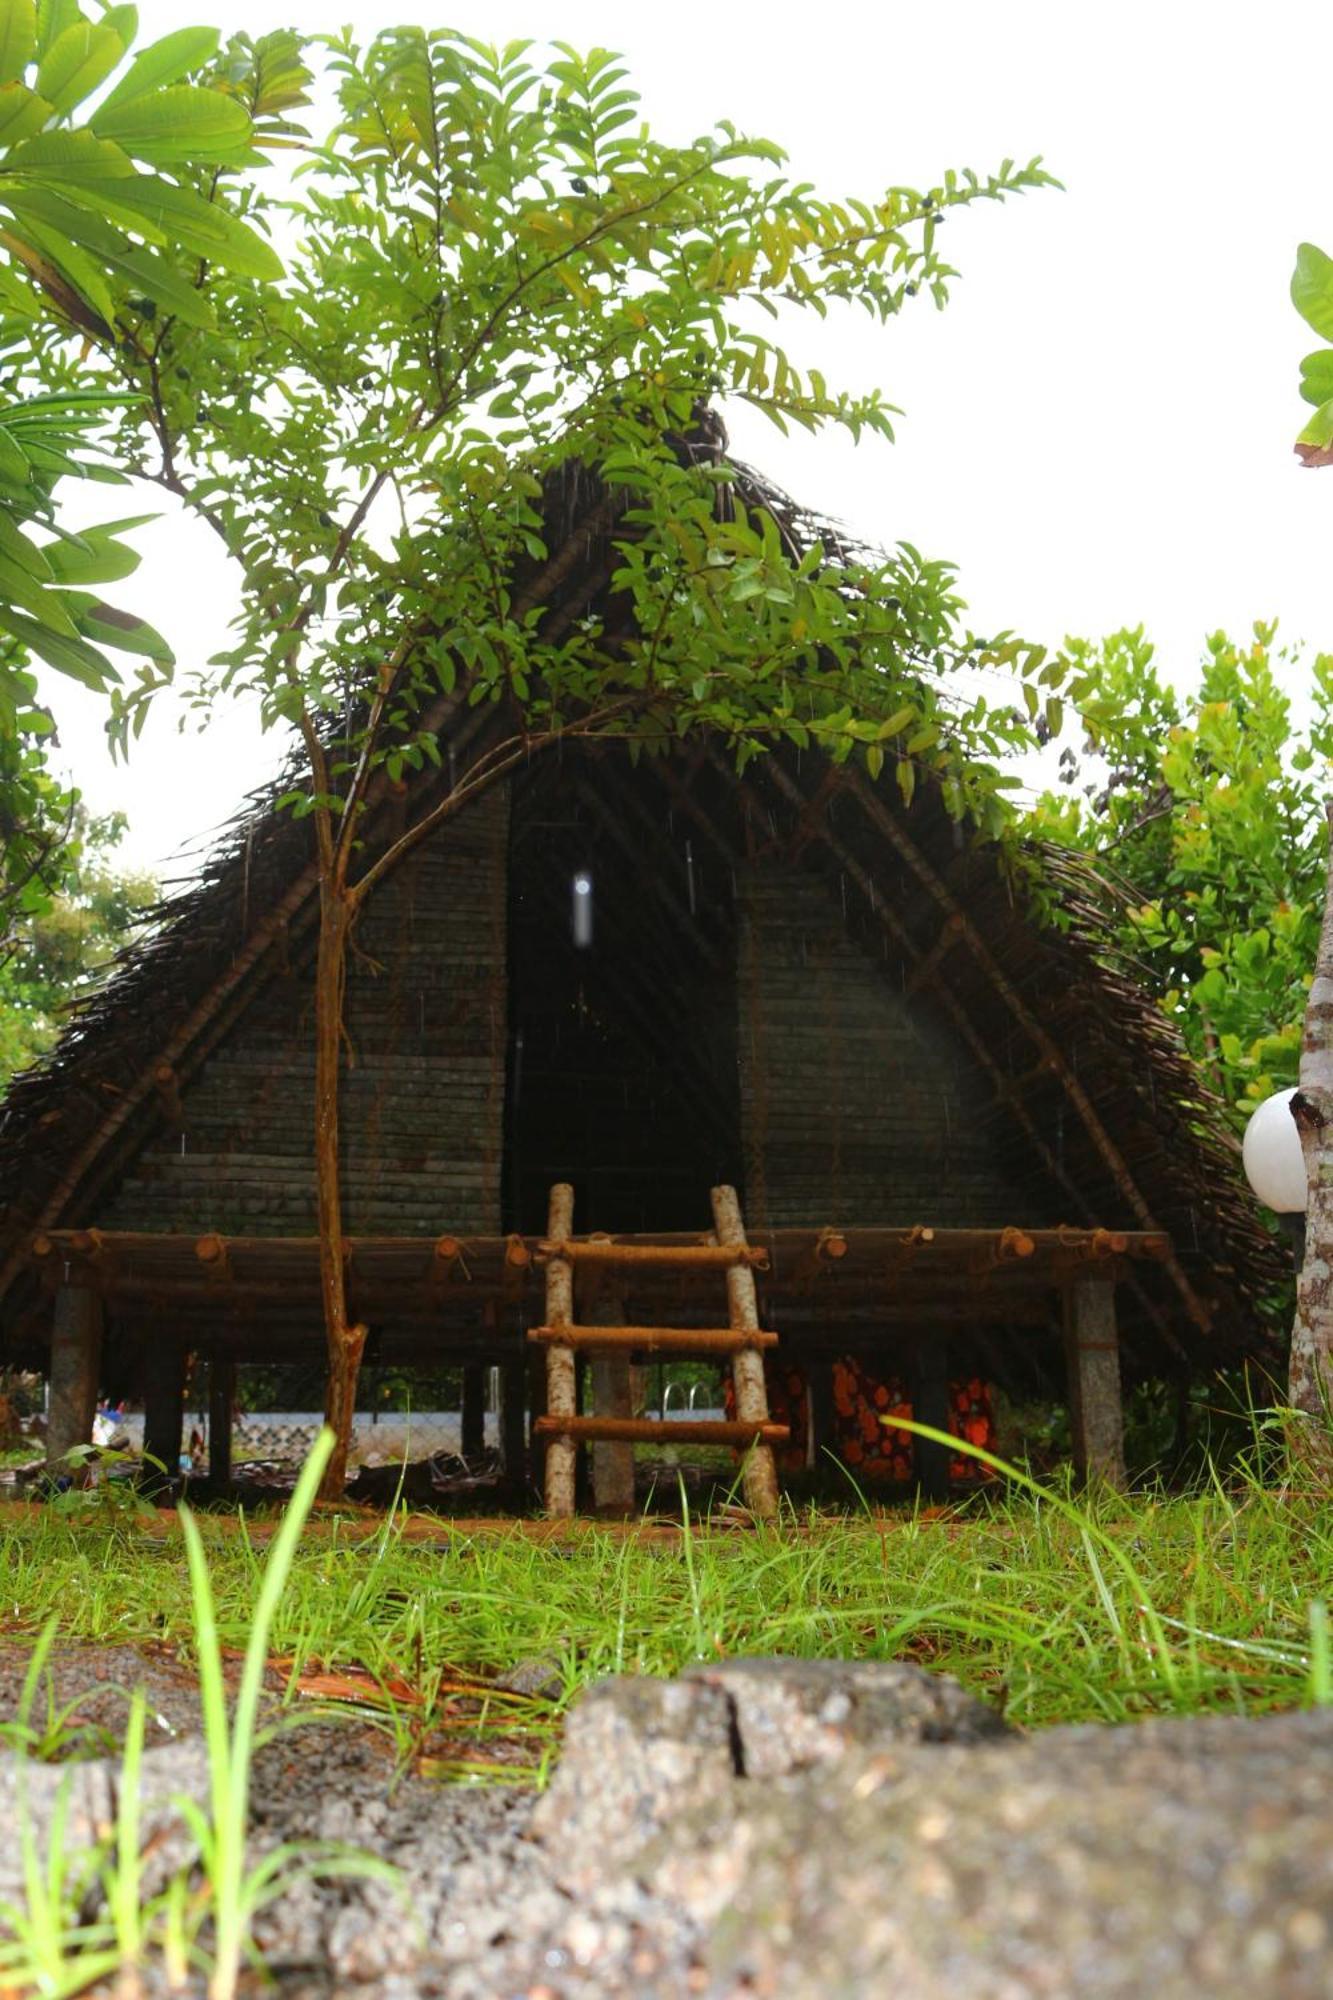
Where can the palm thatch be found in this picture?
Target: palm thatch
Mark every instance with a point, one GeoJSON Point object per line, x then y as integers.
{"type": "Point", "coordinates": [1104, 1109]}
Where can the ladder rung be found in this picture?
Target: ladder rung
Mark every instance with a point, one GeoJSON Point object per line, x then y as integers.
{"type": "Point", "coordinates": [653, 1339]}
{"type": "Point", "coordinates": [704, 1256]}
{"type": "Point", "coordinates": [652, 1430]}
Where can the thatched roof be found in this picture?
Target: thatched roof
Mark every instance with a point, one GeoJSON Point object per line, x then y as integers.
{"type": "Point", "coordinates": [1069, 1040]}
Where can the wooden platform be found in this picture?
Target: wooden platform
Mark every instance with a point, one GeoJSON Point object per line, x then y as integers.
{"type": "Point", "coordinates": [233, 1284]}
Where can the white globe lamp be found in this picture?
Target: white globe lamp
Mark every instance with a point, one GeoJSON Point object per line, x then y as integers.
{"type": "Point", "coordinates": [1272, 1157]}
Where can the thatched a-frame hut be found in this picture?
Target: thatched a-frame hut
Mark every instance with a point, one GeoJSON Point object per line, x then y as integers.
{"type": "Point", "coordinates": [966, 1140]}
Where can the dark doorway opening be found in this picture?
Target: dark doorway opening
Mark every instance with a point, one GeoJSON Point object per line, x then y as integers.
{"type": "Point", "coordinates": [622, 1074]}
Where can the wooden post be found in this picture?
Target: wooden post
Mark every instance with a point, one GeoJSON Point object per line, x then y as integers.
{"type": "Point", "coordinates": [561, 1375]}
{"type": "Point", "coordinates": [474, 1409]}
{"type": "Point", "coordinates": [819, 1375]}
{"type": "Point", "coordinates": [1092, 1350]}
{"type": "Point", "coordinates": [513, 1443]}
{"type": "Point", "coordinates": [537, 1407]}
{"type": "Point", "coordinates": [221, 1396]}
{"type": "Point", "coordinates": [163, 1404]}
{"type": "Point", "coordinates": [76, 1356]}
{"type": "Point", "coordinates": [930, 1405]}
{"type": "Point", "coordinates": [760, 1478]}
{"type": "Point", "coordinates": [612, 1396]}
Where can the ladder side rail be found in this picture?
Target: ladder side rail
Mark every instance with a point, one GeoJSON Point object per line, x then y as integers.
{"type": "Point", "coordinates": [759, 1476]}
{"type": "Point", "coordinates": [561, 1372]}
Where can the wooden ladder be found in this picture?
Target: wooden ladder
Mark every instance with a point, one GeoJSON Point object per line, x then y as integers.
{"type": "Point", "coordinates": [741, 1340]}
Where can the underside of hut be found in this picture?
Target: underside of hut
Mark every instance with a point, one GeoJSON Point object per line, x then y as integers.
{"type": "Point", "coordinates": [967, 1148]}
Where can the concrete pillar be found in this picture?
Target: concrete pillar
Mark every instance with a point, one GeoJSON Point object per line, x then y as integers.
{"type": "Point", "coordinates": [163, 1407]}
{"type": "Point", "coordinates": [474, 1409]}
{"type": "Point", "coordinates": [930, 1405]}
{"type": "Point", "coordinates": [1092, 1353]}
{"type": "Point", "coordinates": [221, 1397]}
{"type": "Point", "coordinates": [76, 1357]}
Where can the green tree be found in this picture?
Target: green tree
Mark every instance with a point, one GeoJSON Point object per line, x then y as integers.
{"type": "Point", "coordinates": [91, 235]}
{"type": "Point", "coordinates": [58, 953]}
{"type": "Point", "coordinates": [1205, 811]}
{"type": "Point", "coordinates": [97, 210]}
{"type": "Point", "coordinates": [498, 274]}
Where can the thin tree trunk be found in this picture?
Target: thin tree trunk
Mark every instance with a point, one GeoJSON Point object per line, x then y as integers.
{"type": "Point", "coordinates": [1310, 1372]}
{"type": "Point", "coordinates": [345, 1342]}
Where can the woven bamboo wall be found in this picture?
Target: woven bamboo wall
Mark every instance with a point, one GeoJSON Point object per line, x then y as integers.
{"type": "Point", "coordinates": [856, 1107]}
{"type": "Point", "coordinates": [423, 1095]}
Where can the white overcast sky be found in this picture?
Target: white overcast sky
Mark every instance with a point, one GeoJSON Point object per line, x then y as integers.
{"type": "Point", "coordinates": [1097, 430]}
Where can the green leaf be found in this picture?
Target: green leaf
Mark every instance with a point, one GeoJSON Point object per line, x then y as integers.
{"type": "Point", "coordinates": [196, 225]}
{"type": "Point", "coordinates": [78, 269]}
{"type": "Point", "coordinates": [22, 112]}
{"type": "Point", "coordinates": [181, 123]}
{"type": "Point", "coordinates": [18, 38]}
{"type": "Point", "coordinates": [95, 556]}
{"type": "Point", "coordinates": [1319, 431]}
{"type": "Point", "coordinates": [14, 466]}
{"type": "Point", "coordinates": [72, 156]}
{"type": "Point", "coordinates": [65, 227]}
{"type": "Point", "coordinates": [110, 626]}
{"type": "Point", "coordinates": [18, 586]}
{"type": "Point", "coordinates": [162, 62]}
{"type": "Point", "coordinates": [77, 61]}
{"type": "Point", "coordinates": [72, 656]}
{"type": "Point", "coordinates": [53, 17]}
{"type": "Point", "coordinates": [1317, 376]}
{"type": "Point", "coordinates": [1312, 288]}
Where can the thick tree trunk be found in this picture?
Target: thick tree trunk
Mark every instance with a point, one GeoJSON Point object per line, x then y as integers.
{"type": "Point", "coordinates": [345, 1342]}
{"type": "Point", "coordinates": [1310, 1372]}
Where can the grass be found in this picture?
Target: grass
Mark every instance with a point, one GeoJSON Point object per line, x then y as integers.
{"type": "Point", "coordinates": [53, 1948]}
{"type": "Point", "coordinates": [1102, 1609]}
{"type": "Point", "coordinates": [1059, 1608]}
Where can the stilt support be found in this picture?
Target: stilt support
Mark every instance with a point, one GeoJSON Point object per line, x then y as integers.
{"type": "Point", "coordinates": [221, 1400]}
{"type": "Point", "coordinates": [474, 1410]}
{"type": "Point", "coordinates": [513, 1442]}
{"type": "Point", "coordinates": [612, 1396]}
{"type": "Point", "coordinates": [1092, 1347]}
{"type": "Point", "coordinates": [930, 1405]}
{"type": "Point", "coordinates": [163, 1408]}
{"type": "Point", "coordinates": [76, 1359]}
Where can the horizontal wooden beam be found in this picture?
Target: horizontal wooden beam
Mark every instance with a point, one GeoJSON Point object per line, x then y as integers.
{"type": "Point", "coordinates": [665, 1430]}
{"type": "Point", "coordinates": [653, 1339]}
{"type": "Point", "coordinates": [659, 1256]}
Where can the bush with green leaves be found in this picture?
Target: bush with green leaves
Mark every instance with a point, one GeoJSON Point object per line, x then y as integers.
{"type": "Point", "coordinates": [1208, 818]}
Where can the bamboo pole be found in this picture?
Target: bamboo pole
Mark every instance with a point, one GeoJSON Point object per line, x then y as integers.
{"type": "Point", "coordinates": [654, 1339]}
{"type": "Point", "coordinates": [602, 1250]}
{"type": "Point", "coordinates": [760, 1476]}
{"type": "Point", "coordinates": [561, 1378]}
{"type": "Point", "coordinates": [661, 1430]}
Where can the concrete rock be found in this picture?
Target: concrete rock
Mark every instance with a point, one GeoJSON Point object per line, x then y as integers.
{"type": "Point", "coordinates": [1175, 1858]}
{"type": "Point", "coordinates": [793, 1714]}
{"type": "Point", "coordinates": [636, 1751]}
{"type": "Point", "coordinates": [31, 1795]}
